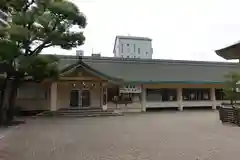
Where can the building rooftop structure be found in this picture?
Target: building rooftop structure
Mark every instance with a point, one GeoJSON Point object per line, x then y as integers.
{"type": "Point", "coordinates": [133, 37]}
{"type": "Point", "coordinates": [133, 47]}
{"type": "Point", "coordinates": [130, 38]}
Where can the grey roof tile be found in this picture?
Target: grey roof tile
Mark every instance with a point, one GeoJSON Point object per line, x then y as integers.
{"type": "Point", "coordinates": [139, 70]}
{"type": "Point", "coordinates": [66, 60]}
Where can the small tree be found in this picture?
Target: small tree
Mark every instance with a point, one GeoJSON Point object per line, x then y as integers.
{"type": "Point", "coordinates": [35, 25]}
{"type": "Point", "coordinates": [231, 89]}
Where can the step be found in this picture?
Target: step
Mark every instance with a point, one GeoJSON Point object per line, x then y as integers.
{"type": "Point", "coordinates": [95, 113]}
{"type": "Point", "coordinates": [80, 108]}
{"type": "Point", "coordinates": [73, 111]}
{"type": "Point", "coordinates": [90, 115]}
{"type": "Point", "coordinates": [83, 110]}
{"type": "Point", "coordinates": [83, 114]}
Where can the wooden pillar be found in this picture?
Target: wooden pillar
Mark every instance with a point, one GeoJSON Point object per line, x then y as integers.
{"type": "Point", "coordinates": [213, 98]}
{"type": "Point", "coordinates": [105, 98]}
{"type": "Point", "coordinates": [143, 98]}
{"type": "Point", "coordinates": [53, 97]}
{"type": "Point", "coordinates": [101, 95]}
{"type": "Point", "coordinates": [179, 99]}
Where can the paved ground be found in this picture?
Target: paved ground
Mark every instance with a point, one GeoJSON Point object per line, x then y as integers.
{"type": "Point", "coordinates": [194, 135]}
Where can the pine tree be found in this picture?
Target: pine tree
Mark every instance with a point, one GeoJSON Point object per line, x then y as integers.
{"type": "Point", "coordinates": [34, 26]}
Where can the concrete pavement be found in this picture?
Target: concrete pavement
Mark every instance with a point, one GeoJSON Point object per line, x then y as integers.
{"type": "Point", "coordinates": [187, 135]}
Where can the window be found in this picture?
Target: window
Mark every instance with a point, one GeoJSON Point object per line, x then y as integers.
{"type": "Point", "coordinates": [128, 50]}
{"type": "Point", "coordinates": [122, 49]}
{"type": "Point", "coordinates": [138, 50]}
{"type": "Point", "coordinates": [127, 56]}
{"type": "Point", "coordinates": [128, 45]}
{"type": "Point", "coordinates": [134, 56]}
{"type": "Point", "coordinates": [161, 94]}
{"type": "Point", "coordinates": [219, 94]}
{"type": "Point", "coordinates": [134, 48]}
{"type": "Point", "coordinates": [169, 94]}
{"type": "Point", "coordinates": [146, 53]}
{"type": "Point", "coordinates": [153, 95]}
{"type": "Point", "coordinates": [196, 94]}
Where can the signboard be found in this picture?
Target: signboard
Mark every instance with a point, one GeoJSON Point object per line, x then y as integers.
{"type": "Point", "coordinates": [130, 89]}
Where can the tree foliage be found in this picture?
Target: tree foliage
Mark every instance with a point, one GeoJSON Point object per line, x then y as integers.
{"type": "Point", "coordinates": [232, 87]}
{"type": "Point", "coordinates": [39, 24]}
{"type": "Point", "coordinates": [34, 26]}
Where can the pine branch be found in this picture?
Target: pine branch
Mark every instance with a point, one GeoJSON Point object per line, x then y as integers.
{"type": "Point", "coordinates": [38, 49]}
{"type": "Point", "coordinates": [28, 5]}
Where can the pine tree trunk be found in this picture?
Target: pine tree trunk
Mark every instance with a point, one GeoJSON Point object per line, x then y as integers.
{"type": "Point", "coordinates": [2, 111]}
{"type": "Point", "coordinates": [12, 101]}
{"type": "Point", "coordinates": [5, 96]}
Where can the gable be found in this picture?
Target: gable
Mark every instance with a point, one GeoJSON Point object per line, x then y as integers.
{"type": "Point", "coordinates": [79, 73]}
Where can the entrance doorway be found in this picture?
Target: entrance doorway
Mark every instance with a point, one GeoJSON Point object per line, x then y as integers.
{"type": "Point", "coordinates": [80, 98]}
{"type": "Point", "coordinates": [85, 98]}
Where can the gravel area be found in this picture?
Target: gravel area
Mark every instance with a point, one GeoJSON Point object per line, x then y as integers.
{"type": "Point", "coordinates": [187, 135]}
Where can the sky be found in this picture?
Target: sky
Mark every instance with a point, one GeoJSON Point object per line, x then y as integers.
{"type": "Point", "coordinates": [179, 29]}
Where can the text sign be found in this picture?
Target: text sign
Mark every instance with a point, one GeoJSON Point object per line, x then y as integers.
{"type": "Point", "coordinates": [130, 89]}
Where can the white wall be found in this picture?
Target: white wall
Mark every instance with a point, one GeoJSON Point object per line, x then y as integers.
{"type": "Point", "coordinates": [33, 96]}
{"type": "Point", "coordinates": [129, 48]}
{"type": "Point", "coordinates": [117, 50]}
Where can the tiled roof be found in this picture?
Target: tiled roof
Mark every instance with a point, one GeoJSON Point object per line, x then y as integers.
{"type": "Point", "coordinates": [230, 52]}
{"type": "Point", "coordinates": [155, 71]}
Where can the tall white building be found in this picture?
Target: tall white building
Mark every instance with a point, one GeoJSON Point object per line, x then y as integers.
{"type": "Point", "coordinates": [133, 47]}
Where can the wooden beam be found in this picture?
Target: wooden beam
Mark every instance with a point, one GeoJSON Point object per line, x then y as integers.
{"type": "Point", "coordinates": [80, 78]}
{"type": "Point", "coordinates": [157, 86]}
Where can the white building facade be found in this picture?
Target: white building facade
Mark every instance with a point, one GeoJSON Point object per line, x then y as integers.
{"type": "Point", "coordinates": [133, 47]}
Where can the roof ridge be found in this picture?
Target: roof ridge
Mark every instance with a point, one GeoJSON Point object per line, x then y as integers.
{"type": "Point", "coordinates": [136, 59]}
{"type": "Point", "coordinates": [154, 61]}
